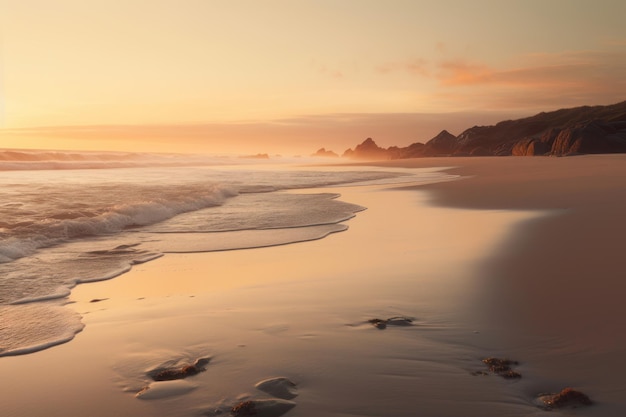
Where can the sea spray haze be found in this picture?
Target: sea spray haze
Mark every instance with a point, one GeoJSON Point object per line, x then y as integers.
{"type": "Point", "coordinates": [95, 215]}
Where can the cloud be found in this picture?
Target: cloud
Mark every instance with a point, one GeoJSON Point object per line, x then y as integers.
{"type": "Point", "coordinates": [531, 81]}
{"type": "Point", "coordinates": [417, 66]}
{"type": "Point", "coordinates": [326, 71]}
{"type": "Point", "coordinates": [539, 70]}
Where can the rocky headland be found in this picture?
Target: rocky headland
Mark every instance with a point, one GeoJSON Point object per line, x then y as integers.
{"type": "Point", "coordinates": [575, 131]}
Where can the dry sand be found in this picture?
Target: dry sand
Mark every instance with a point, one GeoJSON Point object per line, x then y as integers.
{"type": "Point", "coordinates": [533, 271]}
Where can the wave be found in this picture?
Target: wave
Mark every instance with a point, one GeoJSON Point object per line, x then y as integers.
{"type": "Point", "coordinates": [29, 237]}
{"type": "Point", "coordinates": [33, 327]}
{"type": "Point", "coordinates": [33, 160]}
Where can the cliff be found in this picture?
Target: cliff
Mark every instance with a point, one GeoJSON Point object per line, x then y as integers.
{"type": "Point", "coordinates": [580, 130]}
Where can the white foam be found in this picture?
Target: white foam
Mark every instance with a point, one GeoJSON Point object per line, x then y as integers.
{"type": "Point", "coordinates": [29, 328]}
{"type": "Point", "coordinates": [108, 276]}
{"type": "Point", "coordinates": [246, 239]}
{"type": "Point", "coordinates": [61, 292]}
{"type": "Point", "coordinates": [114, 220]}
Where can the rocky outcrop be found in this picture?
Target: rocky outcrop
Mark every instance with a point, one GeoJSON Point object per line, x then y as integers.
{"type": "Point", "coordinates": [443, 144]}
{"type": "Point", "coordinates": [367, 150]}
{"type": "Point", "coordinates": [322, 152]}
{"type": "Point", "coordinates": [583, 138]}
{"type": "Point", "coordinates": [580, 130]}
{"type": "Point", "coordinates": [591, 137]}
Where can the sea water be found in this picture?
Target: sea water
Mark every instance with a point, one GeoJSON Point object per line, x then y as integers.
{"type": "Point", "coordinates": [70, 218]}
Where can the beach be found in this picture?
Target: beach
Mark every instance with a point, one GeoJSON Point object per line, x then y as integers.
{"type": "Point", "coordinates": [518, 258]}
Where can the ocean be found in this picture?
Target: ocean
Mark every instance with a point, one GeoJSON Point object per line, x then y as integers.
{"type": "Point", "coordinates": [68, 218]}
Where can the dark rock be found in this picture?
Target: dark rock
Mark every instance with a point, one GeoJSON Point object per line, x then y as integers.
{"type": "Point", "coordinates": [324, 153]}
{"type": "Point", "coordinates": [368, 149]}
{"type": "Point", "coordinates": [393, 321]}
{"type": "Point", "coordinates": [588, 137]}
{"type": "Point", "coordinates": [587, 129]}
{"type": "Point", "coordinates": [179, 372]}
{"type": "Point", "coordinates": [262, 408]}
{"type": "Point", "coordinates": [245, 408]}
{"type": "Point", "coordinates": [480, 151]}
{"type": "Point", "coordinates": [442, 144]}
{"type": "Point", "coordinates": [568, 397]}
{"type": "Point", "coordinates": [412, 151]}
{"type": "Point", "coordinates": [536, 135]}
{"type": "Point", "coordinates": [502, 367]}
{"type": "Point", "coordinates": [175, 373]}
{"type": "Point", "coordinates": [378, 323]}
{"type": "Point", "coordinates": [510, 374]}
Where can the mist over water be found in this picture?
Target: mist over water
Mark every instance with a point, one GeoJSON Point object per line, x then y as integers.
{"type": "Point", "coordinates": [59, 228]}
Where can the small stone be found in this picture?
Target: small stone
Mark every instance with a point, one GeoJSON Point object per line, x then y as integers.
{"type": "Point", "coordinates": [274, 407]}
{"type": "Point", "coordinates": [181, 372]}
{"type": "Point", "coordinates": [378, 323]}
{"type": "Point", "coordinates": [399, 321]}
{"type": "Point", "coordinates": [502, 367]}
{"type": "Point", "coordinates": [568, 397]}
{"type": "Point", "coordinates": [245, 408]}
{"type": "Point", "coordinates": [392, 321]}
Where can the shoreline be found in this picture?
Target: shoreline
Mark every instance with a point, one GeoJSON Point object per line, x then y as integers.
{"type": "Point", "coordinates": [291, 320]}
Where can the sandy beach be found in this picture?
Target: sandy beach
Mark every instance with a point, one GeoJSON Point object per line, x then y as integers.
{"type": "Point", "coordinates": [518, 258]}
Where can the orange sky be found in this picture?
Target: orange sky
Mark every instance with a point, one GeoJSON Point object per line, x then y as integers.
{"type": "Point", "coordinates": [294, 75]}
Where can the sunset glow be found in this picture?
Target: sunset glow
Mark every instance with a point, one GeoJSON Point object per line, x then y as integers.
{"type": "Point", "coordinates": [282, 76]}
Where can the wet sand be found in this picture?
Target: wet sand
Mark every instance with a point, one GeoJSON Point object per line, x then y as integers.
{"type": "Point", "coordinates": [557, 285]}
{"type": "Point", "coordinates": [519, 259]}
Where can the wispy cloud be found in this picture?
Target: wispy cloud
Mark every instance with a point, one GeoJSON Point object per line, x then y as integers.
{"type": "Point", "coordinates": [327, 71]}
{"type": "Point", "coordinates": [567, 78]}
{"type": "Point", "coordinates": [564, 69]}
{"type": "Point", "coordinates": [417, 66]}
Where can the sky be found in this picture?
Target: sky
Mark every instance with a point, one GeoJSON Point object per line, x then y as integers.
{"type": "Point", "coordinates": [277, 76]}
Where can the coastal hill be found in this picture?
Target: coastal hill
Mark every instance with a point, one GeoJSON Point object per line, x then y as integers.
{"type": "Point", "coordinates": [580, 130]}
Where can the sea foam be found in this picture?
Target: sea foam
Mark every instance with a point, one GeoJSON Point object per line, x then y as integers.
{"type": "Point", "coordinates": [62, 228]}
{"type": "Point", "coordinates": [28, 237]}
